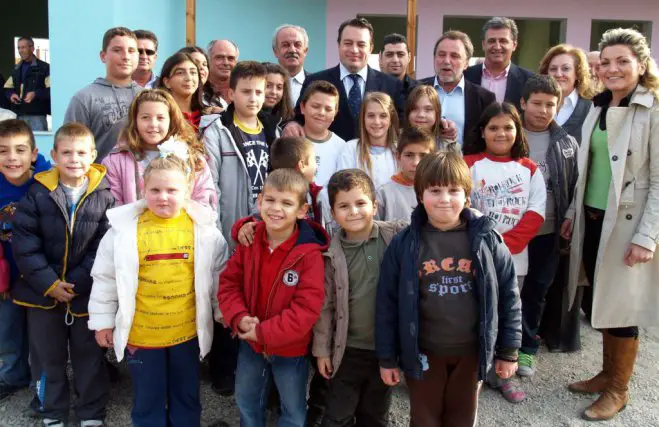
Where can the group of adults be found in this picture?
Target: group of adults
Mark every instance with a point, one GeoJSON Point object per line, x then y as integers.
{"type": "Point", "coordinates": [27, 89]}
{"type": "Point", "coordinates": [611, 108]}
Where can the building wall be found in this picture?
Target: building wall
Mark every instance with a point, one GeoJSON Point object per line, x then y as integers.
{"type": "Point", "coordinates": [431, 13]}
{"type": "Point", "coordinates": [251, 24]}
{"type": "Point", "coordinates": [76, 32]}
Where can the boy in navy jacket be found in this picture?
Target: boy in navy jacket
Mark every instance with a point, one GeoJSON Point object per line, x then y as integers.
{"type": "Point", "coordinates": [447, 302]}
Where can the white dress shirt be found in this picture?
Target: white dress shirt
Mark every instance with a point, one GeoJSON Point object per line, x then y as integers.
{"type": "Point", "coordinates": [347, 80]}
{"type": "Point", "coordinates": [568, 107]}
{"type": "Point", "coordinates": [296, 83]}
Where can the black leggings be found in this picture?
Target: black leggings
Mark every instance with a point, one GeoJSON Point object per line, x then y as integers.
{"type": "Point", "coordinates": [591, 244]}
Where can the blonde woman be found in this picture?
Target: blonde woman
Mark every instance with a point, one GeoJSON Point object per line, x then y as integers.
{"type": "Point", "coordinates": [614, 219]}
{"type": "Point", "coordinates": [375, 150]}
{"type": "Point", "coordinates": [569, 66]}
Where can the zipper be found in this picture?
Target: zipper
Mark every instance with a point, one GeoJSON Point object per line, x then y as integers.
{"type": "Point", "coordinates": [272, 289]}
{"type": "Point", "coordinates": [69, 317]}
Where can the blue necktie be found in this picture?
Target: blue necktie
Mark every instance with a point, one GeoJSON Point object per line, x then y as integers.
{"type": "Point", "coordinates": [355, 95]}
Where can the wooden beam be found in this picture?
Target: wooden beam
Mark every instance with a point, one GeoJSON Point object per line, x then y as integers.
{"type": "Point", "coordinates": [411, 36]}
{"type": "Point", "coordinates": [190, 22]}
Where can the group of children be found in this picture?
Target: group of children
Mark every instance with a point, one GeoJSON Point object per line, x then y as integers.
{"type": "Point", "coordinates": [421, 275]}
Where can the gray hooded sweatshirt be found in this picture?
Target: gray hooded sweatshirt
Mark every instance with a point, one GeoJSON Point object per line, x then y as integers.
{"type": "Point", "coordinates": [103, 108]}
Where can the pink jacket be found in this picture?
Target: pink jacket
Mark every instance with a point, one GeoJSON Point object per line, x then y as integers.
{"type": "Point", "coordinates": [124, 180]}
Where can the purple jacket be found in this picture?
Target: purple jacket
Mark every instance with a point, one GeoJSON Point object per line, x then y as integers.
{"type": "Point", "coordinates": [125, 176]}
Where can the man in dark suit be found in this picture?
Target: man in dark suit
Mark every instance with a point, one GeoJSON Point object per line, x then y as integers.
{"type": "Point", "coordinates": [394, 59]}
{"type": "Point", "coordinates": [498, 74]}
{"type": "Point", "coordinates": [353, 78]}
{"type": "Point", "coordinates": [462, 102]}
{"type": "Point", "coordinates": [290, 44]}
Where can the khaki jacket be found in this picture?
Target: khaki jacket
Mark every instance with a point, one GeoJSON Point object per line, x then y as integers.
{"type": "Point", "coordinates": [331, 330]}
{"type": "Point", "coordinates": [623, 296]}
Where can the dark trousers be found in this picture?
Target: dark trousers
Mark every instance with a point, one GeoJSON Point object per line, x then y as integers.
{"type": "Point", "coordinates": [53, 341]}
{"type": "Point", "coordinates": [318, 389]}
{"type": "Point", "coordinates": [166, 385]}
{"type": "Point", "coordinates": [222, 358]}
{"type": "Point", "coordinates": [356, 395]}
{"type": "Point", "coordinates": [593, 232]}
{"type": "Point", "coordinates": [543, 264]}
{"type": "Point", "coordinates": [448, 393]}
{"type": "Point", "coordinates": [14, 348]}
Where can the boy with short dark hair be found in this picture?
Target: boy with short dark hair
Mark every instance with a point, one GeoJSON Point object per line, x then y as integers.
{"type": "Point", "coordinates": [19, 161]}
{"type": "Point", "coordinates": [103, 105]}
{"type": "Point", "coordinates": [271, 294]}
{"type": "Point", "coordinates": [57, 229]}
{"type": "Point", "coordinates": [344, 337]}
{"type": "Point", "coordinates": [555, 153]}
{"type": "Point", "coordinates": [396, 198]}
{"type": "Point", "coordinates": [238, 142]}
{"type": "Point", "coordinates": [447, 300]}
{"type": "Point", "coordinates": [319, 104]}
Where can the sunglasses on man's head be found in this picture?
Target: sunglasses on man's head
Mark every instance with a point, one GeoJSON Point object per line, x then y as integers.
{"type": "Point", "coordinates": [149, 52]}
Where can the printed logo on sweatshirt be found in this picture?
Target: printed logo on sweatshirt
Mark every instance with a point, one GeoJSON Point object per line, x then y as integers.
{"type": "Point", "coordinates": [167, 257]}
{"type": "Point", "coordinates": [6, 216]}
{"type": "Point", "coordinates": [290, 278]}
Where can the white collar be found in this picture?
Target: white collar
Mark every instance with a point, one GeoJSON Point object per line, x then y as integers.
{"type": "Point", "coordinates": [299, 77]}
{"type": "Point", "coordinates": [344, 72]}
{"type": "Point", "coordinates": [572, 98]}
{"type": "Point", "coordinates": [461, 84]}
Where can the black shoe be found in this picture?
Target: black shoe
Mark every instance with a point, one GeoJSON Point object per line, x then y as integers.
{"type": "Point", "coordinates": [219, 423]}
{"type": "Point", "coordinates": [113, 372]}
{"type": "Point", "coordinates": [7, 390]}
{"type": "Point", "coordinates": [223, 389]}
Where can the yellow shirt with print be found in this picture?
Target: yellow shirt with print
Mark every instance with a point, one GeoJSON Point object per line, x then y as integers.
{"type": "Point", "coordinates": [165, 310]}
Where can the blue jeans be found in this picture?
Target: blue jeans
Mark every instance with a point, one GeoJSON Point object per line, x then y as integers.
{"type": "Point", "coordinates": [36, 122]}
{"type": "Point", "coordinates": [14, 366]}
{"type": "Point", "coordinates": [166, 385]}
{"type": "Point", "coordinates": [253, 386]}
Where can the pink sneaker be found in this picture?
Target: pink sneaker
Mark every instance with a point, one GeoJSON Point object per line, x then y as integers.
{"type": "Point", "coordinates": [512, 392]}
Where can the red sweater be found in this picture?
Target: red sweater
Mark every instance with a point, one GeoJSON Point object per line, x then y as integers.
{"type": "Point", "coordinates": [296, 296]}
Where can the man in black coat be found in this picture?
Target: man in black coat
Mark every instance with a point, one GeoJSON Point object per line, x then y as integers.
{"type": "Point", "coordinates": [498, 74]}
{"type": "Point", "coordinates": [462, 102]}
{"type": "Point", "coordinates": [355, 45]}
{"type": "Point", "coordinates": [394, 59]}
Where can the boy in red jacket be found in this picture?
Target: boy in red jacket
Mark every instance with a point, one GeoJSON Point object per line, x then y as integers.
{"type": "Point", "coordinates": [271, 294]}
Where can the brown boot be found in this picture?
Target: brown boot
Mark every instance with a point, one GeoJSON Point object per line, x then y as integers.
{"type": "Point", "coordinates": [614, 398]}
{"type": "Point", "coordinates": [599, 382]}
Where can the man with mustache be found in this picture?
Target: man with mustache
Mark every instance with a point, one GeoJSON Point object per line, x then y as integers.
{"type": "Point", "coordinates": [223, 56]}
{"type": "Point", "coordinates": [498, 74]}
{"type": "Point", "coordinates": [290, 45]}
{"type": "Point", "coordinates": [394, 59]}
{"type": "Point", "coordinates": [462, 101]}
{"type": "Point", "coordinates": [147, 46]}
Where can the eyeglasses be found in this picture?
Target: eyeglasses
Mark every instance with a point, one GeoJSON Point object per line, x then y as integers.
{"type": "Point", "coordinates": [148, 52]}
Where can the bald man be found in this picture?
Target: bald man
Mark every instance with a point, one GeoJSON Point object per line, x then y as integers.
{"type": "Point", "coordinates": [223, 56]}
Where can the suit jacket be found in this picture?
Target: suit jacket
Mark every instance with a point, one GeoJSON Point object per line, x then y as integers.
{"type": "Point", "coordinates": [476, 99]}
{"type": "Point", "coordinates": [408, 84]}
{"type": "Point", "coordinates": [344, 125]}
{"type": "Point", "coordinates": [517, 77]}
{"type": "Point", "coordinates": [575, 122]}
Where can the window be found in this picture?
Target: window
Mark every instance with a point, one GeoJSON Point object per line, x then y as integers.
{"type": "Point", "coordinates": [599, 27]}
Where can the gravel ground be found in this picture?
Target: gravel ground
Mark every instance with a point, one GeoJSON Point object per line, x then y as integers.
{"type": "Point", "coordinates": [548, 403]}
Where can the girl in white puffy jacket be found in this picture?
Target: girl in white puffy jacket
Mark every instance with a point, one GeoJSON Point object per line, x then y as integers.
{"type": "Point", "coordinates": [155, 290]}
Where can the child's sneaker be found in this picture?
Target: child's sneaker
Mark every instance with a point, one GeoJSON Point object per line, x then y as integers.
{"type": "Point", "coordinates": [512, 392]}
{"type": "Point", "coordinates": [526, 365]}
{"type": "Point", "coordinates": [49, 422]}
{"type": "Point", "coordinates": [91, 423]}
